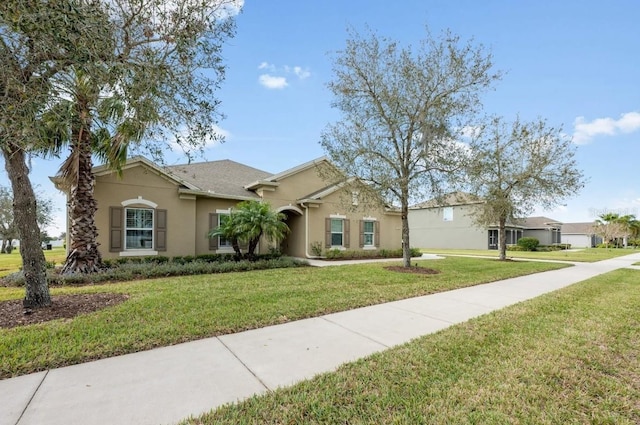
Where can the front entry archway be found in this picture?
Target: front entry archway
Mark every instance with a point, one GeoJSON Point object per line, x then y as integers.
{"type": "Point", "coordinates": [293, 244]}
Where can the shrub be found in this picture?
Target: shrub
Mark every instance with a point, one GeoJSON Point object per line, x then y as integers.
{"type": "Point", "coordinates": [528, 244]}
{"type": "Point", "coordinates": [316, 248]}
{"type": "Point", "coordinates": [137, 270]}
{"type": "Point", "coordinates": [337, 254]}
{"type": "Point", "coordinates": [514, 248]}
{"type": "Point", "coordinates": [333, 254]}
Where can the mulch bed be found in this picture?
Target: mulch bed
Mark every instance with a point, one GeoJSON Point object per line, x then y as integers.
{"type": "Point", "coordinates": [13, 314]}
{"type": "Point", "coordinates": [412, 269]}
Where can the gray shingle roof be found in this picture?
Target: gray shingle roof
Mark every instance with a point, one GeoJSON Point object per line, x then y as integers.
{"type": "Point", "coordinates": [538, 222]}
{"type": "Point", "coordinates": [578, 228]}
{"type": "Point", "coordinates": [224, 177]}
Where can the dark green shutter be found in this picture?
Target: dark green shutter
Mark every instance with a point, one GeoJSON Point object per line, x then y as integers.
{"type": "Point", "coordinates": [361, 226]}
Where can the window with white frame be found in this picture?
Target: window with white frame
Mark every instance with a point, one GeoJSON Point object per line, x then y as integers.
{"type": "Point", "coordinates": [337, 231]}
{"type": "Point", "coordinates": [139, 228]}
{"type": "Point", "coordinates": [222, 241]}
{"type": "Point", "coordinates": [368, 232]}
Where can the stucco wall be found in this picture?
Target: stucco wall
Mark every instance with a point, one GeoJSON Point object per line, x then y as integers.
{"type": "Point", "coordinates": [543, 235]}
{"type": "Point", "coordinates": [428, 229]}
{"type": "Point", "coordinates": [140, 182]}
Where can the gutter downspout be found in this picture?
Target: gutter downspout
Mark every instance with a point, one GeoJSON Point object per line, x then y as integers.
{"type": "Point", "coordinates": [306, 232]}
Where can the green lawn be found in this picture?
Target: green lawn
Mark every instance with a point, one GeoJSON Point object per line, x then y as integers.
{"type": "Point", "coordinates": [568, 357]}
{"type": "Point", "coordinates": [10, 263]}
{"type": "Point", "coordinates": [588, 255]}
{"type": "Point", "coordinates": [172, 310]}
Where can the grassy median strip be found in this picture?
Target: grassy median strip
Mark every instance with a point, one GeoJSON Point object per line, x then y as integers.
{"type": "Point", "coordinates": [587, 255]}
{"type": "Point", "coordinates": [569, 357]}
{"type": "Point", "coordinates": [166, 311]}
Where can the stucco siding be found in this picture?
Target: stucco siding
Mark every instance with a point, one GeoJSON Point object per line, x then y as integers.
{"type": "Point", "coordinates": [429, 229]}
{"type": "Point", "coordinates": [544, 236]}
{"type": "Point", "coordinates": [139, 183]}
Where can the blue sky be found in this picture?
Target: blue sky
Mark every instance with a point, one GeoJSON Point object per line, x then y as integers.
{"type": "Point", "coordinates": [574, 63]}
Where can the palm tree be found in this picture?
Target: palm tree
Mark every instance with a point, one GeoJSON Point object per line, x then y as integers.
{"type": "Point", "coordinates": [89, 124]}
{"type": "Point", "coordinates": [254, 219]}
{"type": "Point", "coordinates": [229, 230]}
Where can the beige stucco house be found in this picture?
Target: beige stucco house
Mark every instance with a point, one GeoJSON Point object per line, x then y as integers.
{"type": "Point", "coordinates": [448, 224]}
{"type": "Point", "coordinates": [168, 210]}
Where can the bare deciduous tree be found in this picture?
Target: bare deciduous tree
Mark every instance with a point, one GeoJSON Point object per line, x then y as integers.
{"type": "Point", "coordinates": [517, 166]}
{"type": "Point", "coordinates": [402, 109]}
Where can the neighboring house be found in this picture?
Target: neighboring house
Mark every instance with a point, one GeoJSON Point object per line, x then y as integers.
{"type": "Point", "coordinates": [448, 224]}
{"type": "Point", "coordinates": [580, 235]}
{"type": "Point", "coordinates": [155, 210]}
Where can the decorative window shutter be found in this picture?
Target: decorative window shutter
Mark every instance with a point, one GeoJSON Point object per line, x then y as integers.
{"type": "Point", "coordinates": [327, 232]}
{"type": "Point", "coordinates": [345, 229]}
{"type": "Point", "coordinates": [115, 229]}
{"type": "Point", "coordinates": [361, 226]}
{"type": "Point", "coordinates": [376, 236]}
{"type": "Point", "coordinates": [161, 230]}
{"type": "Point", "coordinates": [213, 224]}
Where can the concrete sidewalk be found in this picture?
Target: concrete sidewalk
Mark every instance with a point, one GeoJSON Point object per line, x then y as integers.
{"type": "Point", "coordinates": [165, 385]}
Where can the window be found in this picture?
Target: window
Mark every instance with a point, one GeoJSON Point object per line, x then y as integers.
{"type": "Point", "coordinates": [447, 214]}
{"type": "Point", "coordinates": [337, 231]}
{"type": "Point", "coordinates": [138, 228]}
{"type": "Point", "coordinates": [368, 233]}
{"type": "Point", "coordinates": [336, 228]}
{"type": "Point", "coordinates": [222, 241]}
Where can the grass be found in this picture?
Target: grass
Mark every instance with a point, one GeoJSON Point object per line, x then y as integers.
{"type": "Point", "coordinates": [568, 357]}
{"type": "Point", "coordinates": [171, 310]}
{"type": "Point", "coordinates": [588, 255]}
{"type": "Point", "coordinates": [11, 263]}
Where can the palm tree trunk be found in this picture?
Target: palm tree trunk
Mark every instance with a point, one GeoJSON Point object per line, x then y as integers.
{"type": "Point", "coordinates": [24, 216]}
{"type": "Point", "coordinates": [83, 256]}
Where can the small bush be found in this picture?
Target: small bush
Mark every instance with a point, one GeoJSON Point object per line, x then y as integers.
{"type": "Point", "coordinates": [140, 270]}
{"type": "Point", "coordinates": [337, 254]}
{"type": "Point", "coordinates": [514, 248]}
{"type": "Point", "coordinates": [528, 244]}
{"type": "Point", "coordinates": [316, 248]}
{"type": "Point", "coordinates": [334, 254]}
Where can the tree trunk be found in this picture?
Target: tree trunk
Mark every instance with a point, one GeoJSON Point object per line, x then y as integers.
{"type": "Point", "coordinates": [406, 248]}
{"type": "Point", "coordinates": [83, 256]}
{"type": "Point", "coordinates": [24, 216]}
{"type": "Point", "coordinates": [502, 238]}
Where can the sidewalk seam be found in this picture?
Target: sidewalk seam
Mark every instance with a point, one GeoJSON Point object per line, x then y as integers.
{"type": "Point", "coordinates": [26, 406]}
{"type": "Point", "coordinates": [354, 332]}
{"type": "Point", "coordinates": [266, 387]}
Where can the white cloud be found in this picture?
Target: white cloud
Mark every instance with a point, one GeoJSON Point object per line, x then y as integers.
{"type": "Point", "coordinates": [301, 73]}
{"type": "Point", "coordinates": [277, 76]}
{"type": "Point", "coordinates": [268, 66]}
{"type": "Point", "coordinates": [273, 82]}
{"type": "Point", "coordinates": [584, 131]}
